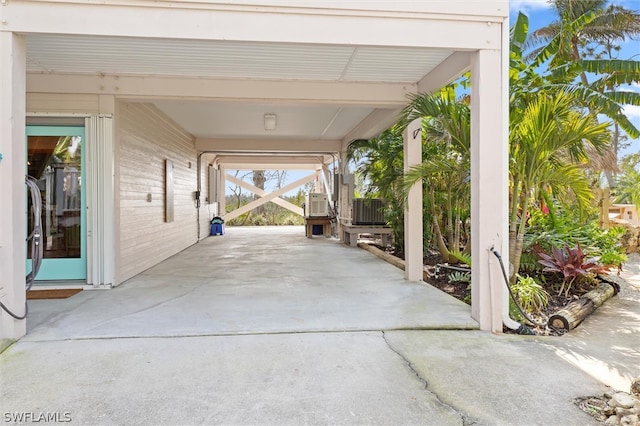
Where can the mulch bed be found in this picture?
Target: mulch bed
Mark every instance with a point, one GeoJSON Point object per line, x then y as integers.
{"type": "Point", "coordinates": [462, 291]}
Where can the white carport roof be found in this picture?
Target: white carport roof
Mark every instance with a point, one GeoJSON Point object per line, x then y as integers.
{"type": "Point", "coordinates": [217, 68]}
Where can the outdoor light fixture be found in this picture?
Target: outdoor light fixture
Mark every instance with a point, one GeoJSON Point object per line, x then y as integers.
{"type": "Point", "coordinates": [270, 121]}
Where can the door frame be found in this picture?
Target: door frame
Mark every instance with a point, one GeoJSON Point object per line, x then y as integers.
{"type": "Point", "coordinates": [65, 268]}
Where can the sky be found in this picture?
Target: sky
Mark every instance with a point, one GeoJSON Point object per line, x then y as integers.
{"type": "Point", "coordinates": [540, 14]}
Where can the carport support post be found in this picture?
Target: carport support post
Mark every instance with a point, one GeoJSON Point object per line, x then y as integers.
{"type": "Point", "coordinates": [12, 188]}
{"type": "Point", "coordinates": [222, 192]}
{"type": "Point", "coordinates": [489, 184]}
{"type": "Point", "coordinates": [345, 192]}
{"type": "Point", "coordinates": [413, 209]}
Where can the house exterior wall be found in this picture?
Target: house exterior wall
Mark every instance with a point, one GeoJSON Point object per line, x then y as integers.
{"type": "Point", "coordinates": [625, 213]}
{"type": "Point", "coordinates": [145, 138]}
{"type": "Point", "coordinates": [63, 103]}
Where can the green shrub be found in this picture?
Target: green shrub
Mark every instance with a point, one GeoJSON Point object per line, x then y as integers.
{"type": "Point", "coordinates": [461, 256]}
{"type": "Point", "coordinates": [566, 227]}
{"type": "Point", "coordinates": [531, 296]}
{"type": "Point", "coordinates": [459, 277]}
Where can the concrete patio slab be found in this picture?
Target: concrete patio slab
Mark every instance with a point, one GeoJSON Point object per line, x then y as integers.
{"type": "Point", "coordinates": [253, 280]}
{"type": "Point", "coordinates": [497, 380]}
{"type": "Point", "coordinates": [291, 379]}
{"type": "Point", "coordinates": [115, 357]}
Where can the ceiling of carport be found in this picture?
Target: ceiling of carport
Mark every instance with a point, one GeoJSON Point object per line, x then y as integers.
{"type": "Point", "coordinates": [216, 118]}
{"type": "Point", "coordinates": [293, 121]}
{"type": "Point", "coordinates": [199, 58]}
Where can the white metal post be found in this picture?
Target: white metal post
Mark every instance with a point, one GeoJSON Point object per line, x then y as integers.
{"type": "Point", "coordinates": [222, 192]}
{"type": "Point", "coordinates": [489, 181]}
{"type": "Point", "coordinates": [413, 243]}
{"type": "Point", "coordinates": [12, 187]}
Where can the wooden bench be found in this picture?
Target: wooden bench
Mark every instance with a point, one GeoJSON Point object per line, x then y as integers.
{"type": "Point", "coordinates": [350, 233]}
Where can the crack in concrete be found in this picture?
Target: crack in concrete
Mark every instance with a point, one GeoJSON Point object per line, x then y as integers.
{"type": "Point", "coordinates": [145, 309]}
{"type": "Point", "coordinates": [465, 420]}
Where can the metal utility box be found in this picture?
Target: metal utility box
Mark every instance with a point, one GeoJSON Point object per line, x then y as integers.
{"type": "Point", "coordinates": [368, 211]}
{"type": "Point", "coordinates": [212, 187]}
{"type": "Point", "coordinates": [317, 205]}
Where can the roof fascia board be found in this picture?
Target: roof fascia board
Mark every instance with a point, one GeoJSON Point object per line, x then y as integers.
{"type": "Point", "coordinates": [478, 9]}
{"type": "Point", "coordinates": [278, 24]}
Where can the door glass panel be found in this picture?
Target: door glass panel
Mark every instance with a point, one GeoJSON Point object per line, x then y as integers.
{"type": "Point", "coordinates": [55, 162]}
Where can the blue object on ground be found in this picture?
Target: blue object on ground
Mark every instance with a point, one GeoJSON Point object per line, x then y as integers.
{"type": "Point", "coordinates": [217, 228]}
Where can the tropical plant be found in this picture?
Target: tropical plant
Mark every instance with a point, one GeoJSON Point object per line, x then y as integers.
{"type": "Point", "coordinates": [561, 225]}
{"type": "Point", "coordinates": [580, 25]}
{"type": "Point", "coordinates": [547, 145]}
{"type": "Point", "coordinates": [582, 42]}
{"type": "Point", "coordinates": [554, 138]}
{"type": "Point", "coordinates": [572, 263]}
{"type": "Point", "coordinates": [445, 169]}
{"type": "Point", "coordinates": [628, 185]}
{"type": "Point", "coordinates": [459, 277]}
{"type": "Point", "coordinates": [379, 164]}
{"type": "Point", "coordinates": [461, 256]}
{"type": "Point", "coordinates": [551, 138]}
{"type": "Point", "coordinates": [531, 296]}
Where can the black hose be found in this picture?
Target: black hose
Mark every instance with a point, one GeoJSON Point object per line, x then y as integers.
{"type": "Point", "coordinates": [520, 330]}
{"type": "Point", "coordinates": [36, 247]}
{"type": "Point", "coordinates": [18, 317]}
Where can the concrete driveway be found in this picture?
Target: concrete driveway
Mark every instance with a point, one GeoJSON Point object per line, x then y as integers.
{"type": "Point", "coordinates": [264, 326]}
{"type": "Point", "coordinates": [252, 281]}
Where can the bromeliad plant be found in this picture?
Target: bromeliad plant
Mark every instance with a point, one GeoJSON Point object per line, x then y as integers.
{"type": "Point", "coordinates": [573, 264]}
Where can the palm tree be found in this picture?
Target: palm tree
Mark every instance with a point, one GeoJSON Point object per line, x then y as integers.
{"type": "Point", "coordinates": [379, 162]}
{"type": "Point", "coordinates": [551, 139]}
{"type": "Point", "coordinates": [548, 141]}
{"type": "Point", "coordinates": [445, 168]}
{"type": "Point", "coordinates": [588, 29]}
{"type": "Point", "coordinates": [582, 23]}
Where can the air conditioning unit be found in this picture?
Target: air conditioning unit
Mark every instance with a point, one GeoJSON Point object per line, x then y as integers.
{"type": "Point", "coordinates": [317, 205]}
{"type": "Point", "coordinates": [368, 211]}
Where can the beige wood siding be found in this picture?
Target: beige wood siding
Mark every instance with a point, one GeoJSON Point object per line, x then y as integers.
{"type": "Point", "coordinates": [146, 138]}
{"type": "Point", "coordinates": [60, 103]}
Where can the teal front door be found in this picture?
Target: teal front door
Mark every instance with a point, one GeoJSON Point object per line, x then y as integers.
{"type": "Point", "coordinates": [56, 159]}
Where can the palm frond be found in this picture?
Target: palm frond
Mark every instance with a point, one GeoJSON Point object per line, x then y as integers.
{"type": "Point", "coordinates": [627, 71]}
{"type": "Point", "coordinates": [518, 34]}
